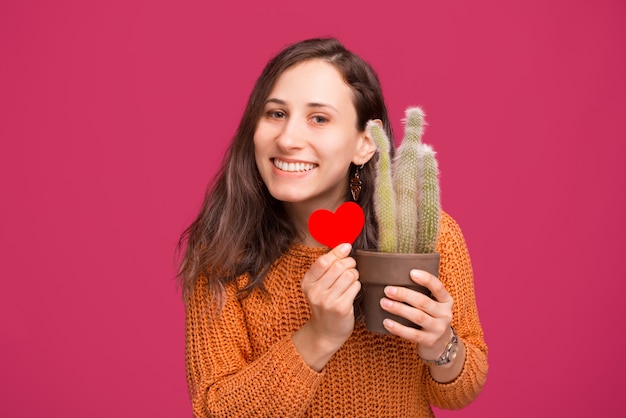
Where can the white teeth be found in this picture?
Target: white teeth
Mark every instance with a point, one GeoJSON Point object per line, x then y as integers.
{"type": "Point", "coordinates": [292, 167]}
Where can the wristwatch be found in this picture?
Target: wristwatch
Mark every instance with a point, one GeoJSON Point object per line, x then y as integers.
{"type": "Point", "coordinates": [449, 353]}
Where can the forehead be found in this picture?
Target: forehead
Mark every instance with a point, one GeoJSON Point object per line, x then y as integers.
{"type": "Point", "coordinates": [312, 81]}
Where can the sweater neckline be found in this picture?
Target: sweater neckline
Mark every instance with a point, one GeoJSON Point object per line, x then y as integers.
{"type": "Point", "coordinates": [301, 250]}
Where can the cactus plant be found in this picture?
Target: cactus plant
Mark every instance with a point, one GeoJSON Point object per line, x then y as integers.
{"type": "Point", "coordinates": [406, 196]}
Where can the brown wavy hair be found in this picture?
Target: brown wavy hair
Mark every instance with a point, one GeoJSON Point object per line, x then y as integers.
{"type": "Point", "coordinates": [241, 228]}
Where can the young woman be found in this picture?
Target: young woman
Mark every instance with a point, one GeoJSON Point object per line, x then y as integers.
{"type": "Point", "coordinates": [271, 325]}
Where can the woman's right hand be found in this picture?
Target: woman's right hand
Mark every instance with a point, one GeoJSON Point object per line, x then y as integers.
{"type": "Point", "coordinates": [330, 286]}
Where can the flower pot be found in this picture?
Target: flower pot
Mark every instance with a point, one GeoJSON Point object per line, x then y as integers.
{"type": "Point", "coordinates": [377, 270]}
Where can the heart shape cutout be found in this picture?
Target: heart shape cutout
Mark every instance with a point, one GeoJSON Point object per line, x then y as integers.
{"type": "Point", "coordinates": [332, 229]}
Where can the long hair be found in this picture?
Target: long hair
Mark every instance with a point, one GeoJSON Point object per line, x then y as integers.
{"type": "Point", "coordinates": [241, 228]}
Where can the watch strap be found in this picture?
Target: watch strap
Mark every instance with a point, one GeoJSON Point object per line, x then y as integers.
{"type": "Point", "coordinates": [445, 358]}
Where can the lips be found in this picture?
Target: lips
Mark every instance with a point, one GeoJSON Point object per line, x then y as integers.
{"type": "Point", "coordinates": [293, 167]}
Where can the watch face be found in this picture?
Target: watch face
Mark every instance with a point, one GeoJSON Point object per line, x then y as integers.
{"type": "Point", "coordinates": [453, 352]}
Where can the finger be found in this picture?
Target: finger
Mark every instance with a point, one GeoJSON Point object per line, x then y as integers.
{"type": "Point", "coordinates": [412, 334]}
{"type": "Point", "coordinates": [339, 267]}
{"type": "Point", "coordinates": [325, 262]}
{"type": "Point", "coordinates": [416, 316]}
{"type": "Point", "coordinates": [432, 283]}
{"type": "Point", "coordinates": [341, 287]}
{"type": "Point", "coordinates": [352, 291]}
{"type": "Point", "coordinates": [415, 299]}
{"type": "Point", "coordinates": [430, 344]}
{"type": "Point", "coordinates": [330, 289]}
{"type": "Point", "coordinates": [341, 300]}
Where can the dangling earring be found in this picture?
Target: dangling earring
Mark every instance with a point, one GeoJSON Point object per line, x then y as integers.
{"type": "Point", "coordinates": [356, 185]}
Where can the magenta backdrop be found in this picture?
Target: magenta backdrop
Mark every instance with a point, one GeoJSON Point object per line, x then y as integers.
{"type": "Point", "coordinates": [114, 115]}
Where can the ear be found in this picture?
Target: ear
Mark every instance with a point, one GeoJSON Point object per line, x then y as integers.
{"type": "Point", "coordinates": [366, 147]}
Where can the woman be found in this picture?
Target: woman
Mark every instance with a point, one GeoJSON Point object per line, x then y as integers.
{"type": "Point", "coordinates": [271, 326]}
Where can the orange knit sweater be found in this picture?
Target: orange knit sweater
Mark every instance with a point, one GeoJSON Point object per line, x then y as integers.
{"type": "Point", "coordinates": [244, 363]}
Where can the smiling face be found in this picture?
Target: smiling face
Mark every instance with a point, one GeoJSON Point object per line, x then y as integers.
{"type": "Point", "coordinates": [307, 137]}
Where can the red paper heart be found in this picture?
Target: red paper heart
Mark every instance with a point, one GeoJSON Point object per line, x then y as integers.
{"type": "Point", "coordinates": [332, 229]}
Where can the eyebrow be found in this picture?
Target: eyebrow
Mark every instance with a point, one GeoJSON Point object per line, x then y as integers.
{"type": "Point", "coordinates": [312, 104]}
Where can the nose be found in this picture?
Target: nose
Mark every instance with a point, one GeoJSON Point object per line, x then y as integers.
{"type": "Point", "coordinates": [292, 135]}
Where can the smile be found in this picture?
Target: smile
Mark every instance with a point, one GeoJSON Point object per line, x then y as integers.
{"type": "Point", "coordinates": [293, 167]}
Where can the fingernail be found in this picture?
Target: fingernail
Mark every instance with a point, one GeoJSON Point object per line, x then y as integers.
{"type": "Point", "coordinates": [416, 273]}
{"type": "Point", "coordinates": [345, 249]}
{"type": "Point", "coordinates": [385, 303]}
{"type": "Point", "coordinates": [391, 290]}
{"type": "Point", "coordinates": [388, 323]}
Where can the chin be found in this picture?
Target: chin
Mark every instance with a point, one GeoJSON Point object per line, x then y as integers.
{"type": "Point", "coordinates": [288, 197]}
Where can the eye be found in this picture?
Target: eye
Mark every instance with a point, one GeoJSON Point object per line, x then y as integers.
{"type": "Point", "coordinates": [275, 114]}
{"type": "Point", "coordinates": [319, 120]}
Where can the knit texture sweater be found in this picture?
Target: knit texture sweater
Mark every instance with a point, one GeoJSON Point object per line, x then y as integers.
{"type": "Point", "coordinates": [243, 363]}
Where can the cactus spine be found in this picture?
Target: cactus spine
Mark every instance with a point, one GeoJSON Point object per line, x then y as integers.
{"type": "Point", "coordinates": [429, 206]}
{"type": "Point", "coordinates": [406, 175]}
{"type": "Point", "coordinates": [384, 202]}
{"type": "Point", "coordinates": [406, 199]}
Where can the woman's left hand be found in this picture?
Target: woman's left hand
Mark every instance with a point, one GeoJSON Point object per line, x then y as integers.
{"type": "Point", "coordinates": [433, 315]}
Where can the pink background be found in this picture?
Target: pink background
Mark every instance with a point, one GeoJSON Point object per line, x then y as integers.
{"type": "Point", "coordinates": [114, 114]}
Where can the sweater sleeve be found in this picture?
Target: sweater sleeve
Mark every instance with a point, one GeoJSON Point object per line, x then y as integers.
{"type": "Point", "coordinates": [223, 379]}
{"type": "Point", "coordinates": [456, 274]}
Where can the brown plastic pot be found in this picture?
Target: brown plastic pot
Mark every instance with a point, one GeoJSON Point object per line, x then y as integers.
{"type": "Point", "coordinates": [377, 270]}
